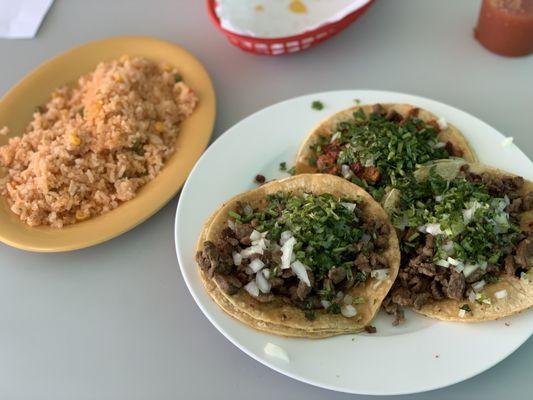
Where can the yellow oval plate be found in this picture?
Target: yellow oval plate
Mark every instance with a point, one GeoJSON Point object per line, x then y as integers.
{"type": "Point", "coordinates": [18, 105]}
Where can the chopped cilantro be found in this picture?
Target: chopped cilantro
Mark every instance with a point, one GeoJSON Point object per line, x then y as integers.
{"type": "Point", "coordinates": [177, 78]}
{"type": "Point", "coordinates": [481, 298]}
{"type": "Point", "coordinates": [234, 215]}
{"type": "Point", "coordinates": [475, 223]}
{"type": "Point", "coordinates": [393, 149]}
{"type": "Point", "coordinates": [489, 278]}
{"type": "Point", "coordinates": [292, 170]}
{"type": "Point", "coordinates": [360, 276]}
{"type": "Point", "coordinates": [310, 315]}
{"type": "Point", "coordinates": [334, 308]}
{"type": "Point", "coordinates": [325, 231]}
{"type": "Point", "coordinates": [283, 166]}
{"type": "Point", "coordinates": [358, 300]}
{"type": "Point", "coordinates": [378, 193]}
{"type": "Point", "coordinates": [317, 105]}
{"type": "Point", "coordinates": [465, 307]}
{"type": "Point", "coordinates": [357, 101]}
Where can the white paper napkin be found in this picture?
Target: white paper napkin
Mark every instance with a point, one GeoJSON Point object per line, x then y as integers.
{"type": "Point", "coordinates": [21, 19]}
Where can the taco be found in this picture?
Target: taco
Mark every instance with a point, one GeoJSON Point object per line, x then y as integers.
{"type": "Point", "coordinates": [466, 241]}
{"type": "Point", "coordinates": [377, 146]}
{"type": "Point", "coordinates": [307, 256]}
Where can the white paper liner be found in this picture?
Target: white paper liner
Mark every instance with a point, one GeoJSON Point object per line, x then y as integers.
{"type": "Point", "coordinates": [275, 20]}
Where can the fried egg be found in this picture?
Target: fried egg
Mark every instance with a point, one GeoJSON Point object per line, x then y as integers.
{"type": "Point", "coordinates": [281, 18]}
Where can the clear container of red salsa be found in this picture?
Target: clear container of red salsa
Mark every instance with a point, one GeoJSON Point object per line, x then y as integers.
{"type": "Point", "coordinates": [505, 27]}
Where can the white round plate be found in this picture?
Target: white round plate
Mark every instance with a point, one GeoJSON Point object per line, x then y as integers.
{"type": "Point", "coordinates": [420, 355]}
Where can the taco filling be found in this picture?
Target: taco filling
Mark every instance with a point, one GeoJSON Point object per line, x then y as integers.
{"type": "Point", "coordinates": [459, 236]}
{"type": "Point", "coordinates": [378, 150]}
{"type": "Point", "coordinates": [307, 249]}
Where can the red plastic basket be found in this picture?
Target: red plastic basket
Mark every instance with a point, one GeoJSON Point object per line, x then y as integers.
{"type": "Point", "coordinates": [289, 44]}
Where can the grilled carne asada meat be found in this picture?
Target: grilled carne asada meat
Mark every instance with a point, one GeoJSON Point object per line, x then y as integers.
{"type": "Point", "coordinates": [457, 237]}
{"type": "Point", "coordinates": [304, 250]}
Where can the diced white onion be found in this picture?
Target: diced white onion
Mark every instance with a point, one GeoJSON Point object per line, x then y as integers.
{"type": "Point", "coordinates": [251, 287]}
{"type": "Point", "coordinates": [266, 272]}
{"type": "Point", "coordinates": [276, 351]}
{"type": "Point", "coordinates": [293, 257]}
{"type": "Point", "coordinates": [443, 263]}
{"type": "Point", "coordinates": [506, 201]}
{"type": "Point", "coordinates": [433, 229]}
{"type": "Point", "coordinates": [500, 203]}
{"type": "Point", "coordinates": [346, 171]}
{"type": "Point", "coordinates": [507, 141]}
{"type": "Point", "coordinates": [479, 285]}
{"type": "Point", "coordinates": [348, 311]}
{"type": "Point", "coordinates": [262, 283]}
{"type": "Point", "coordinates": [459, 266]}
{"type": "Point", "coordinates": [403, 222]}
{"type": "Point", "coordinates": [286, 252]}
{"type": "Point", "coordinates": [438, 198]}
{"type": "Point", "coordinates": [231, 224]}
{"type": "Point", "coordinates": [325, 303]}
{"type": "Point", "coordinates": [255, 235]}
{"type": "Point", "coordinates": [469, 269]}
{"type": "Point", "coordinates": [249, 251]}
{"type": "Point", "coordinates": [448, 247]}
{"type": "Point", "coordinates": [502, 220]}
{"type": "Point", "coordinates": [347, 299]}
{"type": "Point", "coordinates": [500, 294]}
{"type": "Point", "coordinates": [483, 265]}
{"type": "Point", "coordinates": [249, 271]}
{"type": "Point", "coordinates": [442, 123]}
{"type": "Point", "coordinates": [349, 206]}
{"type": "Point", "coordinates": [340, 295]}
{"type": "Point", "coordinates": [439, 145]}
{"type": "Point", "coordinates": [369, 162]}
{"type": "Point", "coordinates": [285, 235]}
{"type": "Point", "coordinates": [379, 274]}
{"type": "Point", "coordinates": [468, 213]}
{"type": "Point", "coordinates": [472, 296]}
{"type": "Point", "coordinates": [335, 137]}
{"type": "Point", "coordinates": [524, 276]}
{"type": "Point", "coordinates": [256, 265]}
{"type": "Point", "coordinates": [237, 258]}
{"type": "Point", "coordinates": [301, 272]}
{"type": "Point", "coordinates": [462, 313]}
{"type": "Point", "coordinates": [453, 261]}
{"type": "Point", "coordinates": [262, 242]}
{"type": "Point", "coordinates": [248, 209]}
